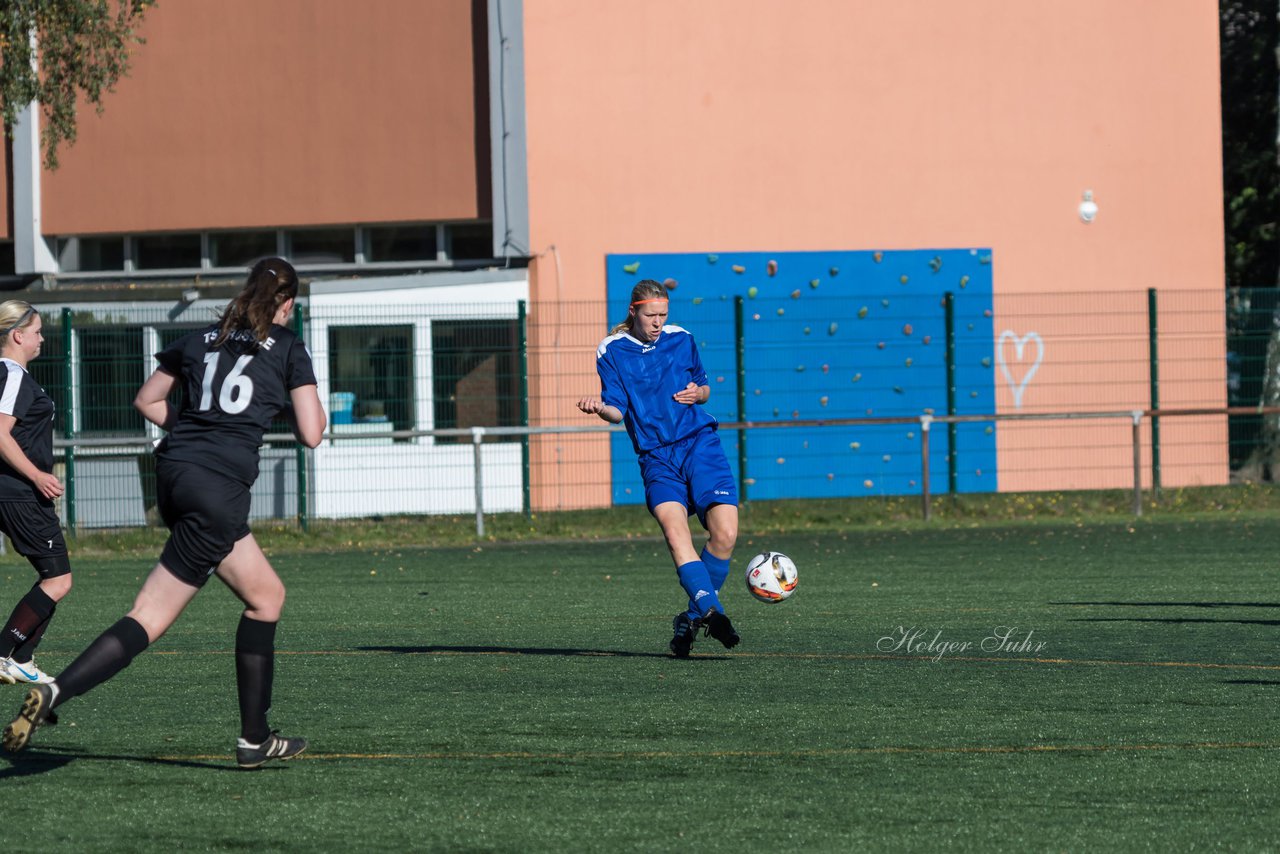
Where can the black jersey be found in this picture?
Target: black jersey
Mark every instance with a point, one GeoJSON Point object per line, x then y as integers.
{"type": "Point", "coordinates": [230, 394]}
{"type": "Point", "coordinates": [24, 399]}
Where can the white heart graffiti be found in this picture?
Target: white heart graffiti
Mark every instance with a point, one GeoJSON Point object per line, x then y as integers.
{"type": "Point", "coordinates": [1018, 344]}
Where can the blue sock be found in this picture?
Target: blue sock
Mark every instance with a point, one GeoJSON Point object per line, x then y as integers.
{"type": "Point", "coordinates": [696, 582]}
{"type": "Point", "coordinates": [717, 567]}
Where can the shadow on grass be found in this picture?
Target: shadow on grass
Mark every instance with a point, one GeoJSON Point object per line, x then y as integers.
{"type": "Point", "coordinates": [531, 650]}
{"type": "Point", "coordinates": [1175, 620]}
{"type": "Point", "coordinates": [1140, 604]}
{"type": "Point", "coordinates": [43, 760]}
{"type": "Point", "coordinates": [1250, 682]}
{"type": "Point", "coordinates": [1178, 604]}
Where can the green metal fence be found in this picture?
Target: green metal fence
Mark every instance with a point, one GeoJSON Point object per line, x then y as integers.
{"type": "Point", "coordinates": [412, 390]}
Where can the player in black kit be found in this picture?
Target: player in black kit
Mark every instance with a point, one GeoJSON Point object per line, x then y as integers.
{"type": "Point", "coordinates": [235, 377]}
{"type": "Point", "coordinates": [27, 489]}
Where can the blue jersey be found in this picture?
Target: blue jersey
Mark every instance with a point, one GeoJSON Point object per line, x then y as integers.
{"type": "Point", "coordinates": [640, 378]}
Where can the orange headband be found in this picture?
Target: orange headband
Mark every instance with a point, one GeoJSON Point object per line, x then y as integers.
{"type": "Point", "coordinates": [655, 299]}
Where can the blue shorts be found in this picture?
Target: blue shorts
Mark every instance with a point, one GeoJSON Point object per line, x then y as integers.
{"type": "Point", "coordinates": [693, 471]}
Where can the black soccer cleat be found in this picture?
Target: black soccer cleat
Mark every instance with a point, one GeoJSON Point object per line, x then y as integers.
{"type": "Point", "coordinates": [275, 747]}
{"type": "Point", "coordinates": [719, 627]}
{"type": "Point", "coordinates": [686, 632]}
{"type": "Point", "coordinates": [36, 709]}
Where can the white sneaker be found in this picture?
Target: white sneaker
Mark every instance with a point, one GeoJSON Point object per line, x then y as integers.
{"type": "Point", "coordinates": [13, 673]}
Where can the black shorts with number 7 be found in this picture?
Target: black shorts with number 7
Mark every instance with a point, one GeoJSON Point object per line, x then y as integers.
{"type": "Point", "coordinates": [36, 534]}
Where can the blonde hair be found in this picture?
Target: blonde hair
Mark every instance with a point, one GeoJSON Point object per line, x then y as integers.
{"type": "Point", "coordinates": [645, 290]}
{"type": "Point", "coordinates": [15, 314]}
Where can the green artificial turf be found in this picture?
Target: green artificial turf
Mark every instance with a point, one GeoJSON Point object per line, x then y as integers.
{"type": "Point", "coordinates": [519, 698]}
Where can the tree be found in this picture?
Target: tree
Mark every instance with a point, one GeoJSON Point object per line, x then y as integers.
{"type": "Point", "coordinates": [1250, 79]}
{"type": "Point", "coordinates": [83, 48]}
{"type": "Point", "coordinates": [1251, 180]}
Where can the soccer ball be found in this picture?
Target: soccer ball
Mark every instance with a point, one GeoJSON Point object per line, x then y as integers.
{"type": "Point", "coordinates": [771, 577]}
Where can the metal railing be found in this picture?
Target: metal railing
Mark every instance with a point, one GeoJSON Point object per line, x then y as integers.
{"type": "Point", "coordinates": [481, 438]}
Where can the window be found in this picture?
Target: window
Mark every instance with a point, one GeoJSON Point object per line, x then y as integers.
{"type": "Point", "coordinates": [471, 242]}
{"type": "Point", "coordinates": [90, 254]}
{"type": "Point", "coordinates": [240, 248]}
{"type": "Point", "coordinates": [476, 370]}
{"type": "Point", "coordinates": [374, 363]}
{"type": "Point", "coordinates": [322, 246]}
{"type": "Point", "coordinates": [111, 369]}
{"type": "Point", "coordinates": [400, 243]}
{"type": "Point", "coordinates": [167, 251]}
{"type": "Point", "coordinates": [6, 258]}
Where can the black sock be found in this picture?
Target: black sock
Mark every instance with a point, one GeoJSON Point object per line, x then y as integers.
{"type": "Point", "coordinates": [255, 671]}
{"type": "Point", "coordinates": [31, 612]}
{"type": "Point", "coordinates": [102, 659]}
{"type": "Point", "coordinates": [27, 651]}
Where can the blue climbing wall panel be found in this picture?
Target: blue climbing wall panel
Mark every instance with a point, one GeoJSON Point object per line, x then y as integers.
{"type": "Point", "coordinates": [826, 335]}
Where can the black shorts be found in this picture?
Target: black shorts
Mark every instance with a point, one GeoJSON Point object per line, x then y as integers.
{"type": "Point", "coordinates": [36, 535]}
{"type": "Point", "coordinates": [206, 513]}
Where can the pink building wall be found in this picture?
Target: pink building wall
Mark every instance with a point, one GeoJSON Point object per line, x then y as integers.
{"type": "Point", "coordinates": [720, 125]}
